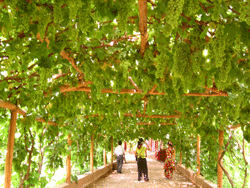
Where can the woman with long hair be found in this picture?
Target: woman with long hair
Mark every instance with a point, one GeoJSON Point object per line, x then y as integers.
{"type": "Point", "coordinates": [141, 155]}
{"type": "Point", "coordinates": [169, 166]}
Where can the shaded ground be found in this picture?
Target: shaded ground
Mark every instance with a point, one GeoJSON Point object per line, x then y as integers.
{"type": "Point", "coordinates": [129, 176]}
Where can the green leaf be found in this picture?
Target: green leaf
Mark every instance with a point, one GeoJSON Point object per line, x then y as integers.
{"type": "Point", "coordinates": [3, 85]}
{"type": "Point", "coordinates": [204, 33]}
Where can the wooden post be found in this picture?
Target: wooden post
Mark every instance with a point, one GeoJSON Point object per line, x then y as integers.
{"type": "Point", "coordinates": [68, 163]}
{"type": "Point", "coordinates": [198, 170]}
{"type": "Point", "coordinates": [220, 171]}
{"type": "Point", "coordinates": [104, 158]}
{"type": "Point", "coordinates": [112, 151]}
{"type": "Point", "coordinates": [92, 153]}
{"type": "Point", "coordinates": [10, 149]}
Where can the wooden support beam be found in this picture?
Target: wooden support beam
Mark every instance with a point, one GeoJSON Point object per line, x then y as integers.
{"type": "Point", "coordinates": [152, 89]}
{"type": "Point", "coordinates": [206, 95]}
{"type": "Point", "coordinates": [134, 84]}
{"type": "Point", "coordinates": [66, 55]}
{"type": "Point", "coordinates": [92, 153]}
{"type": "Point", "coordinates": [152, 123]}
{"type": "Point", "coordinates": [215, 90]}
{"type": "Point", "coordinates": [10, 149]}
{"type": "Point", "coordinates": [12, 107]}
{"type": "Point", "coordinates": [153, 116]}
{"type": "Point", "coordinates": [142, 115]}
{"type": "Point", "coordinates": [104, 158]}
{"type": "Point", "coordinates": [139, 91]}
{"type": "Point", "coordinates": [143, 25]}
{"type": "Point", "coordinates": [112, 151]}
{"type": "Point", "coordinates": [198, 169]}
{"type": "Point", "coordinates": [68, 163]}
{"type": "Point", "coordinates": [220, 171]}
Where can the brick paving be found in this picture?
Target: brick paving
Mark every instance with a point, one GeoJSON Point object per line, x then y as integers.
{"type": "Point", "coordinates": [129, 176]}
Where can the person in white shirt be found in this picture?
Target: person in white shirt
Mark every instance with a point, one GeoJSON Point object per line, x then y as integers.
{"type": "Point", "coordinates": [120, 153]}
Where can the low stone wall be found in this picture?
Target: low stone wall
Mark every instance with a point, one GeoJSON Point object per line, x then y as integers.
{"type": "Point", "coordinates": [199, 181]}
{"type": "Point", "coordinates": [88, 178]}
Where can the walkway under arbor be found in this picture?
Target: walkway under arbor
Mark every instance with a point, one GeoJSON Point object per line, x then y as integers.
{"type": "Point", "coordinates": [129, 176]}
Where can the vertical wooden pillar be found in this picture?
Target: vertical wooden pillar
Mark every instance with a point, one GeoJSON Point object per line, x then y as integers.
{"type": "Point", "coordinates": [104, 158]}
{"type": "Point", "coordinates": [92, 153]}
{"type": "Point", "coordinates": [112, 150]}
{"type": "Point", "coordinates": [220, 171]}
{"type": "Point", "coordinates": [10, 150]}
{"type": "Point", "coordinates": [68, 162]}
{"type": "Point", "coordinates": [198, 170]}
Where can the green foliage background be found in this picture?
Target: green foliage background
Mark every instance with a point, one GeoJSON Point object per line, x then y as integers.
{"type": "Point", "coordinates": [192, 45]}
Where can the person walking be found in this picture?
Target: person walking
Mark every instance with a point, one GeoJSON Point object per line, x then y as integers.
{"type": "Point", "coordinates": [141, 155]}
{"type": "Point", "coordinates": [120, 154]}
{"type": "Point", "coordinates": [169, 165]}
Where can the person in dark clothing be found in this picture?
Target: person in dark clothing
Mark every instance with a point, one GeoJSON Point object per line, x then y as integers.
{"type": "Point", "coordinates": [141, 161]}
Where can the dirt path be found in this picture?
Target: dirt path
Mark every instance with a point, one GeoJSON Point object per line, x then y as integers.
{"type": "Point", "coordinates": [129, 176]}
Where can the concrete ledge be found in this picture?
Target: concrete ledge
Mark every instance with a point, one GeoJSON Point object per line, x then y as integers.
{"type": "Point", "coordinates": [199, 181]}
{"type": "Point", "coordinates": [89, 178]}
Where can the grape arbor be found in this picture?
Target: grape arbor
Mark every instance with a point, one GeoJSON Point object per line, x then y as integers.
{"type": "Point", "coordinates": [125, 69]}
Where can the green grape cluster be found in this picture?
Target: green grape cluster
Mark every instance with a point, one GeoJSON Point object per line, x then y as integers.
{"type": "Point", "coordinates": [44, 20]}
{"type": "Point", "coordinates": [123, 15]}
{"type": "Point", "coordinates": [12, 4]}
{"type": "Point", "coordinates": [235, 110]}
{"type": "Point", "coordinates": [197, 61]}
{"type": "Point", "coordinates": [57, 11]}
{"type": "Point", "coordinates": [162, 61]}
{"type": "Point", "coordinates": [191, 7]}
{"type": "Point", "coordinates": [237, 43]}
{"type": "Point", "coordinates": [217, 46]}
{"type": "Point", "coordinates": [73, 32]}
{"type": "Point", "coordinates": [187, 79]}
{"type": "Point", "coordinates": [74, 6]}
{"type": "Point", "coordinates": [44, 76]}
{"type": "Point", "coordinates": [125, 66]}
{"type": "Point", "coordinates": [216, 12]}
{"type": "Point", "coordinates": [201, 80]}
{"type": "Point", "coordinates": [85, 20]}
{"type": "Point", "coordinates": [224, 71]}
{"type": "Point", "coordinates": [245, 11]}
{"type": "Point", "coordinates": [181, 59]}
{"type": "Point", "coordinates": [176, 87]}
{"type": "Point", "coordinates": [174, 10]}
{"type": "Point", "coordinates": [23, 24]}
{"type": "Point", "coordinates": [209, 80]}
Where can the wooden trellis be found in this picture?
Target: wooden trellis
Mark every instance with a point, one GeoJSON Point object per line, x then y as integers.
{"type": "Point", "coordinates": [83, 86]}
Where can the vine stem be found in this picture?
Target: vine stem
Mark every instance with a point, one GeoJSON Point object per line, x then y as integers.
{"type": "Point", "coordinates": [220, 159]}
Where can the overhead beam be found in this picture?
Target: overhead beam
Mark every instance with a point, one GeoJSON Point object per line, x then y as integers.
{"type": "Point", "coordinates": [134, 84]}
{"type": "Point", "coordinates": [13, 107]}
{"type": "Point", "coordinates": [152, 123]}
{"type": "Point", "coordinates": [206, 95]}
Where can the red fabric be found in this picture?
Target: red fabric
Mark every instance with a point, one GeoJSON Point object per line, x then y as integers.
{"type": "Point", "coordinates": [169, 163]}
{"type": "Point", "coordinates": [156, 145]}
